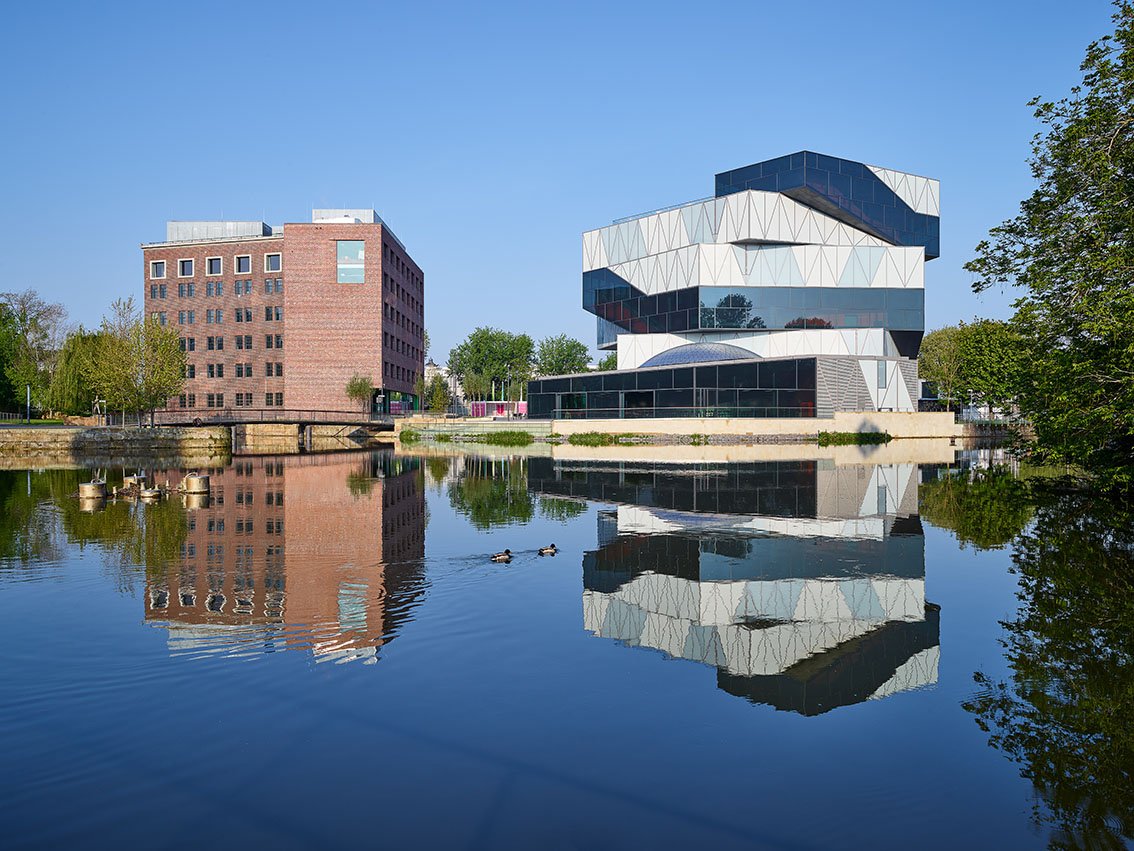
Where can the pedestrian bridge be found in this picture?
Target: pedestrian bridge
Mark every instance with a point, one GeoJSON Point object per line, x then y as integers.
{"type": "Point", "coordinates": [283, 416]}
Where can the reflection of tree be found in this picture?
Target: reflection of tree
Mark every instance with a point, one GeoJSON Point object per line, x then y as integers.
{"type": "Point", "coordinates": [558, 508]}
{"type": "Point", "coordinates": [493, 492]}
{"type": "Point", "coordinates": [1067, 713]}
{"type": "Point", "coordinates": [39, 513]}
{"type": "Point", "coordinates": [28, 530]}
{"type": "Point", "coordinates": [438, 466]}
{"type": "Point", "coordinates": [808, 322]}
{"type": "Point", "coordinates": [987, 510]}
{"type": "Point", "coordinates": [732, 311]}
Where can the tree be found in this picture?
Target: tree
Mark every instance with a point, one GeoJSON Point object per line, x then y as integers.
{"type": "Point", "coordinates": [609, 362]}
{"type": "Point", "coordinates": [37, 330]}
{"type": "Point", "coordinates": [939, 361]}
{"type": "Point", "coordinates": [561, 355]}
{"type": "Point", "coordinates": [437, 397]}
{"type": "Point", "coordinates": [70, 391]}
{"type": "Point", "coordinates": [360, 389]}
{"type": "Point", "coordinates": [134, 363]}
{"type": "Point", "coordinates": [499, 357]}
{"type": "Point", "coordinates": [991, 361]}
{"type": "Point", "coordinates": [1071, 251]}
{"type": "Point", "coordinates": [158, 363]}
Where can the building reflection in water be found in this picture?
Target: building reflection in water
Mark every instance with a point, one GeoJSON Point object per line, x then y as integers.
{"type": "Point", "coordinates": [802, 583]}
{"type": "Point", "coordinates": [323, 552]}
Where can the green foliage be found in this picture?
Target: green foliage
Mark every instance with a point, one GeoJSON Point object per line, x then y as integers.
{"type": "Point", "coordinates": [409, 435]}
{"type": "Point", "coordinates": [489, 355]}
{"type": "Point", "coordinates": [35, 524]}
{"type": "Point", "coordinates": [561, 509]}
{"type": "Point", "coordinates": [561, 355]}
{"type": "Point", "coordinates": [1065, 714]}
{"type": "Point", "coordinates": [442, 438]}
{"type": "Point", "coordinates": [609, 362]}
{"type": "Point", "coordinates": [438, 468]}
{"type": "Point", "coordinates": [134, 363]}
{"type": "Point", "coordinates": [492, 493]}
{"type": "Point", "coordinates": [939, 361]}
{"type": "Point", "coordinates": [436, 394]}
{"type": "Point", "coordinates": [591, 438]}
{"type": "Point", "coordinates": [853, 438]}
{"type": "Point", "coordinates": [1070, 249]}
{"type": "Point", "coordinates": [31, 332]}
{"type": "Point", "coordinates": [986, 510]}
{"type": "Point", "coordinates": [360, 389]}
{"type": "Point", "coordinates": [506, 438]}
{"type": "Point", "coordinates": [70, 391]}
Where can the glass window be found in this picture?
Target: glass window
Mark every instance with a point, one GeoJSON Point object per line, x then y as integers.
{"type": "Point", "coordinates": [272, 262]}
{"type": "Point", "coordinates": [243, 264]}
{"type": "Point", "coordinates": [351, 261]}
{"type": "Point", "coordinates": [213, 265]}
{"type": "Point", "coordinates": [185, 268]}
{"type": "Point", "coordinates": [157, 269]}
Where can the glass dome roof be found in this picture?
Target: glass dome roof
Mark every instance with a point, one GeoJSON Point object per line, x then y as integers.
{"type": "Point", "coordinates": [700, 353]}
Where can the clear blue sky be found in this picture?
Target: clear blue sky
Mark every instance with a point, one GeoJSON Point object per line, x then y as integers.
{"type": "Point", "coordinates": [489, 136]}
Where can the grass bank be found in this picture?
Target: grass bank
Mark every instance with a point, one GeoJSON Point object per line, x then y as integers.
{"type": "Point", "coordinates": [853, 438]}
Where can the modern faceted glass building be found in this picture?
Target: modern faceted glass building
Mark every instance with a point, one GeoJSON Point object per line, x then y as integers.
{"type": "Point", "coordinates": [796, 291]}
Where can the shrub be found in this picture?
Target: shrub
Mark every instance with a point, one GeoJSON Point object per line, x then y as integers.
{"type": "Point", "coordinates": [408, 435]}
{"type": "Point", "coordinates": [507, 438]}
{"type": "Point", "coordinates": [591, 438]}
{"type": "Point", "coordinates": [853, 438]}
{"type": "Point", "coordinates": [442, 438]}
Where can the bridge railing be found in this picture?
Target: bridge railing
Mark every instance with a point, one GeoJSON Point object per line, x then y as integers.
{"type": "Point", "coordinates": [235, 416]}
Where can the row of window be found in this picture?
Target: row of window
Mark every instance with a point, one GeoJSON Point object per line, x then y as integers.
{"type": "Point", "coordinates": [392, 286]}
{"type": "Point", "coordinates": [216, 288]}
{"type": "Point", "coordinates": [216, 317]}
{"type": "Point", "coordinates": [216, 400]}
{"type": "Point", "coordinates": [392, 370]}
{"type": "Point", "coordinates": [401, 320]}
{"type": "Point", "coordinates": [398, 263]}
{"type": "Point", "coordinates": [272, 369]}
{"type": "Point", "coordinates": [389, 341]}
{"type": "Point", "coordinates": [216, 344]}
{"type": "Point", "coordinates": [214, 266]}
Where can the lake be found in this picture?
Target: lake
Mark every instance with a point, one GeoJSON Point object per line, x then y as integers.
{"type": "Point", "coordinates": [835, 651]}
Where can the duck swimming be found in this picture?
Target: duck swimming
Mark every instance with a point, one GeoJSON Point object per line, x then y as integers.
{"type": "Point", "coordinates": [548, 551]}
{"type": "Point", "coordinates": [503, 557]}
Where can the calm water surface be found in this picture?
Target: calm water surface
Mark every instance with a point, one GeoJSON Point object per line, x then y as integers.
{"type": "Point", "coordinates": [802, 654]}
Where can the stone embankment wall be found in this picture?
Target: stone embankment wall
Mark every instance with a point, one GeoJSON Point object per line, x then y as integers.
{"type": "Point", "coordinates": [897, 424]}
{"type": "Point", "coordinates": [199, 444]}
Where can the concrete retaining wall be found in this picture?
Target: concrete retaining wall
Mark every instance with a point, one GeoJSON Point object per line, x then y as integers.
{"type": "Point", "coordinates": [897, 424]}
{"type": "Point", "coordinates": [203, 442]}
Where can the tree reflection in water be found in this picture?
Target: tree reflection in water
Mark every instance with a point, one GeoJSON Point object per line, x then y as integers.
{"type": "Point", "coordinates": [39, 514]}
{"type": "Point", "coordinates": [493, 492]}
{"type": "Point", "coordinates": [984, 508]}
{"type": "Point", "coordinates": [1066, 714]}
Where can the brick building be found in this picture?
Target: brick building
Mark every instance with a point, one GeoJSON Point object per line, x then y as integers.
{"type": "Point", "coordinates": [283, 317]}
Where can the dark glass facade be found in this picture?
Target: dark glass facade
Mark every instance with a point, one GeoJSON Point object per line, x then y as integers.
{"type": "Point", "coordinates": [614, 299]}
{"type": "Point", "coordinates": [755, 388]}
{"type": "Point", "coordinates": [843, 189]}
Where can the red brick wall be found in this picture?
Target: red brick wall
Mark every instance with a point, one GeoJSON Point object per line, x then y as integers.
{"type": "Point", "coordinates": [336, 330]}
{"type": "Point", "coordinates": [331, 331]}
{"type": "Point", "coordinates": [200, 304]}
